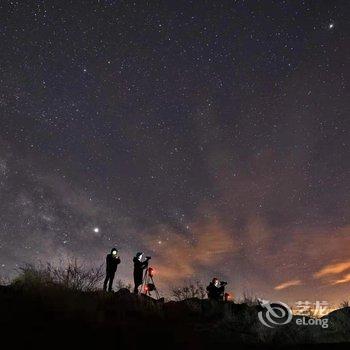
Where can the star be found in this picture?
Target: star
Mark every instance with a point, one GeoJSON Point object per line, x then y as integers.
{"type": "Point", "coordinates": [219, 145]}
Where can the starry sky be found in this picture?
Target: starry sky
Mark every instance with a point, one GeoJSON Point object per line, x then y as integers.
{"type": "Point", "coordinates": [212, 135]}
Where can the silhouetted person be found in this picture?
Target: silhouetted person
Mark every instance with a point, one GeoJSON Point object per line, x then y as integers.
{"type": "Point", "coordinates": [112, 262]}
{"type": "Point", "coordinates": [216, 289]}
{"type": "Point", "coordinates": [139, 266]}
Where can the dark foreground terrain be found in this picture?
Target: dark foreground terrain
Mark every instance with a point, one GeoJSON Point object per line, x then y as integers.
{"type": "Point", "coordinates": [55, 317]}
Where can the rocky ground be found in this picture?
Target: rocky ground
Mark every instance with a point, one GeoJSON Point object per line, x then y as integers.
{"type": "Point", "coordinates": [59, 317]}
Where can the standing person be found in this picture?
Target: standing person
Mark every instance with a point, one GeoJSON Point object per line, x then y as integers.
{"type": "Point", "coordinates": [112, 262]}
{"type": "Point", "coordinates": [139, 266]}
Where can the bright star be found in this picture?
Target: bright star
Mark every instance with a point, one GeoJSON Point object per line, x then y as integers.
{"type": "Point", "coordinates": [331, 26]}
{"type": "Point", "coordinates": [96, 230]}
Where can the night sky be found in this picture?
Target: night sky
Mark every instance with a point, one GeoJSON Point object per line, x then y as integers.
{"type": "Point", "coordinates": [212, 135]}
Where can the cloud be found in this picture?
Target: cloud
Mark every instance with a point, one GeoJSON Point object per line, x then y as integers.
{"type": "Point", "coordinates": [345, 279]}
{"type": "Point", "coordinates": [180, 258]}
{"type": "Point", "coordinates": [288, 284]}
{"type": "Point", "coordinates": [333, 269]}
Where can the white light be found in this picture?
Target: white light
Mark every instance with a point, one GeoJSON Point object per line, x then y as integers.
{"type": "Point", "coordinates": [96, 230]}
{"type": "Point", "coordinates": [331, 26]}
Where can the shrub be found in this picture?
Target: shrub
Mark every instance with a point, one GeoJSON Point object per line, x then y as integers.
{"type": "Point", "coordinates": [193, 290]}
{"type": "Point", "coordinates": [249, 299]}
{"type": "Point", "coordinates": [74, 276]}
{"type": "Point", "coordinates": [122, 285]}
{"type": "Point", "coordinates": [344, 304]}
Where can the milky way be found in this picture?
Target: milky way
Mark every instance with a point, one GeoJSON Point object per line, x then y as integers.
{"type": "Point", "coordinates": [214, 136]}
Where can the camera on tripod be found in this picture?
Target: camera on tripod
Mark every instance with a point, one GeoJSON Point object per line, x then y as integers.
{"type": "Point", "coordinates": [148, 257]}
{"type": "Point", "coordinates": [223, 283]}
{"type": "Point", "coordinates": [148, 284]}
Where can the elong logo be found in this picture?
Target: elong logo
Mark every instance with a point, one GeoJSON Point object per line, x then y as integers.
{"type": "Point", "coordinates": [279, 314]}
{"type": "Point", "coordinates": [274, 314]}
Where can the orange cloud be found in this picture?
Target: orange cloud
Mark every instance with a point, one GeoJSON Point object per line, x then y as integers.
{"type": "Point", "coordinates": [288, 284]}
{"type": "Point", "coordinates": [333, 269]}
{"type": "Point", "coordinates": [179, 258]}
{"type": "Point", "coordinates": [346, 279]}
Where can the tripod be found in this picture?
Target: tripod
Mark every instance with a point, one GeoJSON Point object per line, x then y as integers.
{"type": "Point", "coordinates": [148, 285]}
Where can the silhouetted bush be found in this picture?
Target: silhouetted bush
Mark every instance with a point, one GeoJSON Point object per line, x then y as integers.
{"type": "Point", "coordinates": [193, 290]}
{"type": "Point", "coordinates": [249, 299]}
{"type": "Point", "coordinates": [120, 284]}
{"type": "Point", "coordinates": [345, 303]}
{"type": "Point", "coordinates": [74, 276]}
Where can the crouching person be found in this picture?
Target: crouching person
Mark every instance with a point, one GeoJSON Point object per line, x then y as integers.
{"type": "Point", "coordinates": [216, 290]}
